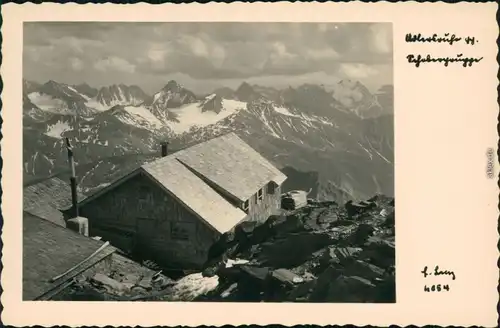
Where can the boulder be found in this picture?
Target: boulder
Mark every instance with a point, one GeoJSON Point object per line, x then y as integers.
{"type": "Point", "coordinates": [344, 254]}
{"type": "Point", "coordinates": [286, 277]}
{"type": "Point", "coordinates": [354, 209]}
{"type": "Point", "coordinates": [333, 286]}
{"type": "Point", "coordinates": [364, 269]}
{"type": "Point", "coordinates": [353, 289]}
{"type": "Point", "coordinates": [292, 250]}
{"type": "Point", "coordinates": [361, 234]}
{"type": "Point", "coordinates": [302, 292]}
{"type": "Point", "coordinates": [386, 290]}
{"type": "Point", "coordinates": [319, 291]}
{"type": "Point", "coordinates": [285, 224]}
{"type": "Point", "coordinates": [379, 251]}
{"type": "Point", "coordinates": [224, 242]}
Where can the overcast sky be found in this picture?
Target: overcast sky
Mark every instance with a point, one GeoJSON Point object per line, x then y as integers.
{"type": "Point", "coordinates": [203, 56]}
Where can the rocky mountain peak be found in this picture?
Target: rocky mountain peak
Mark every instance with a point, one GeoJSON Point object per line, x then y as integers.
{"type": "Point", "coordinates": [173, 86]}
{"type": "Point", "coordinates": [212, 103]}
{"type": "Point", "coordinates": [86, 90]}
{"type": "Point", "coordinates": [246, 92]}
{"type": "Point", "coordinates": [225, 92]}
{"type": "Point", "coordinates": [172, 95]}
{"type": "Point", "coordinates": [121, 94]}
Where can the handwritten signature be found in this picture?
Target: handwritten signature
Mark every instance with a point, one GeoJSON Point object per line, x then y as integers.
{"type": "Point", "coordinates": [437, 272]}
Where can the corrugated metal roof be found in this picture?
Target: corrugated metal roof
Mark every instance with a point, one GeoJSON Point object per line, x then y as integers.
{"type": "Point", "coordinates": [49, 250]}
{"type": "Point", "coordinates": [231, 164]}
{"type": "Point", "coordinates": [47, 198]}
{"type": "Point", "coordinates": [194, 193]}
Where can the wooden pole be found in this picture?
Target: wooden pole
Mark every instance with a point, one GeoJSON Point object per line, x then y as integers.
{"type": "Point", "coordinates": [72, 179]}
{"type": "Point", "coordinates": [100, 249]}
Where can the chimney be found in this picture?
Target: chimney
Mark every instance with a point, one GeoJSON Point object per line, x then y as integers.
{"type": "Point", "coordinates": [164, 149]}
{"type": "Point", "coordinates": [76, 223]}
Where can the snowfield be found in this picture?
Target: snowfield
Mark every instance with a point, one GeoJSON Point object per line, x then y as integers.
{"type": "Point", "coordinates": [191, 115]}
{"type": "Point", "coordinates": [48, 103]}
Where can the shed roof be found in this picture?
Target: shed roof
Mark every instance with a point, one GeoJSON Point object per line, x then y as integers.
{"type": "Point", "coordinates": [47, 198]}
{"type": "Point", "coordinates": [49, 250]}
{"type": "Point", "coordinates": [195, 194]}
{"type": "Point", "coordinates": [230, 163]}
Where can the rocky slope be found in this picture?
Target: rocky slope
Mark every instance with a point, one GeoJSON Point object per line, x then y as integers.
{"type": "Point", "coordinates": [323, 252]}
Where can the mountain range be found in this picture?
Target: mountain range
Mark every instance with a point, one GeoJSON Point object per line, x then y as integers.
{"type": "Point", "coordinates": [338, 141]}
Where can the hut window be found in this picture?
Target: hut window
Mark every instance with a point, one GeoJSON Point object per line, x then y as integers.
{"type": "Point", "coordinates": [271, 188]}
{"type": "Point", "coordinates": [178, 232]}
{"type": "Point", "coordinates": [245, 205]}
{"type": "Point", "coordinates": [259, 194]}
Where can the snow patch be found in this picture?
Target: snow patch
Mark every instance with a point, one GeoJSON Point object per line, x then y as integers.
{"type": "Point", "coordinates": [210, 97]}
{"type": "Point", "coordinates": [56, 130]}
{"type": "Point", "coordinates": [370, 154]}
{"type": "Point", "coordinates": [51, 161]}
{"type": "Point", "coordinates": [140, 117]}
{"type": "Point", "coordinates": [192, 286]}
{"type": "Point", "coordinates": [284, 111]}
{"type": "Point", "coordinates": [72, 89]}
{"type": "Point", "coordinates": [157, 96]}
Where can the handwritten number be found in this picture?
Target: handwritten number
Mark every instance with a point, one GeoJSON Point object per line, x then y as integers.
{"type": "Point", "coordinates": [470, 40]}
{"type": "Point", "coordinates": [436, 288]}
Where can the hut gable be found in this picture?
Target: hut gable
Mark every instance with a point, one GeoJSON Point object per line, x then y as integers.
{"type": "Point", "coordinates": [194, 194]}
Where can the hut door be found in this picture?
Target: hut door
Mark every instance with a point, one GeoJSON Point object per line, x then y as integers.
{"type": "Point", "coordinates": [145, 233]}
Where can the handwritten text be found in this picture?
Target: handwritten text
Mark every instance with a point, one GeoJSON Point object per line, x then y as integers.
{"type": "Point", "coordinates": [446, 38]}
{"type": "Point", "coordinates": [440, 287]}
{"type": "Point", "coordinates": [419, 59]}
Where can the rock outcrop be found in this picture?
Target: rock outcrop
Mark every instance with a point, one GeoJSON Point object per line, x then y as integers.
{"type": "Point", "coordinates": [323, 252]}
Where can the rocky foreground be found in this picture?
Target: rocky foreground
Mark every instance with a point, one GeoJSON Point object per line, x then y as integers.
{"type": "Point", "coordinates": [322, 252]}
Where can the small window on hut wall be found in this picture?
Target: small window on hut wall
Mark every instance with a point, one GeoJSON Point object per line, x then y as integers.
{"type": "Point", "coordinates": [271, 188]}
{"type": "Point", "coordinates": [246, 205]}
{"type": "Point", "coordinates": [260, 194]}
{"type": "Point", "coordinates": [179, 231]}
